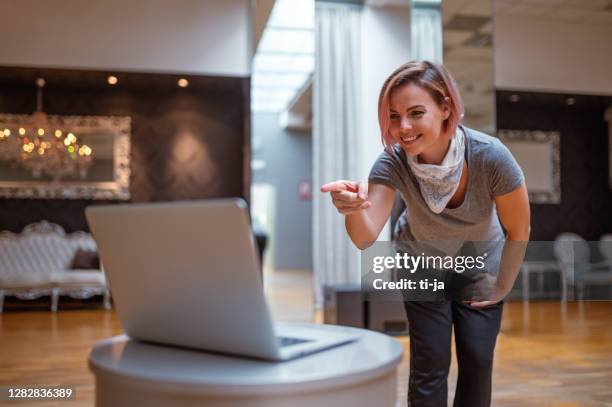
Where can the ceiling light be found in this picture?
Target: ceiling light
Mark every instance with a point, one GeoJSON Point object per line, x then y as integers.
{"type": "Point", "coordinates": [183, 83]}
{"type": "Point", "coordinates": [266, 62]}
{"type": "Point", "coordinates": [112, 80]}
{"type": "Point", "coordinates": [293, 14]}
{"type": "Point", "coordinates": [288, 41]}
{"type": "Point", "coordinates": [278, 79]}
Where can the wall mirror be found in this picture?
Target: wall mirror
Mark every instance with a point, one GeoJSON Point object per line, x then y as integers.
{"type": "Point", "coordinates": [65, 157]}
{"type": "Point", "coordinates": [538, 154]}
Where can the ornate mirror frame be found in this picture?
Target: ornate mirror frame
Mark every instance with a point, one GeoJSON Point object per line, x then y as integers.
{"type": "Point", "coordinates": [119, 188]}
{"type": "Point", "coordinates": [538, 154]}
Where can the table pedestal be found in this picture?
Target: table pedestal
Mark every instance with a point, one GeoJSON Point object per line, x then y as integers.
{"type": "Point", "coordinates": [132, 373]}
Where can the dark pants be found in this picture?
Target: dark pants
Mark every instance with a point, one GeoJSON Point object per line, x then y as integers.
{"type": "Point", "coordinates": [430, 324]}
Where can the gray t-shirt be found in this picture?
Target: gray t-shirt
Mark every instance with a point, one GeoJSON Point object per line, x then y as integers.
{"type": "Point", "coordinates": [492, 171]}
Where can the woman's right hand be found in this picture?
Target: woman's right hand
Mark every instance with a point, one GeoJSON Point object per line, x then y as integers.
{"type": "Point", "coordinates": [348, 196]}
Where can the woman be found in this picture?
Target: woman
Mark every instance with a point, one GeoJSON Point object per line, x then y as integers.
{"type": "Point", "coordinates": [457, 184]}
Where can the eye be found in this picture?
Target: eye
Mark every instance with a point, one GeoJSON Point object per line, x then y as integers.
{"type": "Point", "coordinates": [417, 113]}
{"type": "Point", "coordinates": [394, 116]}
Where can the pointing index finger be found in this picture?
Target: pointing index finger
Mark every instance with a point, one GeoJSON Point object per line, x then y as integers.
{"type": "Point", "coordinates": [338, 186]}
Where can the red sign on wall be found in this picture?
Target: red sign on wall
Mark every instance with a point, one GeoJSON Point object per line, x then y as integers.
{"type": "Point", "coordinates": [305, 190]}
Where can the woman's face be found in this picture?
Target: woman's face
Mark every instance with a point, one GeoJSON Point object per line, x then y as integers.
{"type": "Point", "coordinates": [416, 123]}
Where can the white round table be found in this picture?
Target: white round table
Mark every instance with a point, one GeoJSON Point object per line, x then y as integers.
{"type": "Point", "coordinates": [133, 373]}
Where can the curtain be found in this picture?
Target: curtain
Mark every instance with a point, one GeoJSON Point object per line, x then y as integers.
{"type": "Point", "coordinates": [426, 31]}
{"type": "Point", "coordinates": [336, 140]}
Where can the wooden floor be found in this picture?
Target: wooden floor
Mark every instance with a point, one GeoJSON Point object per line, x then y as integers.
{"type": "Point", "coordinates": [547, 354]}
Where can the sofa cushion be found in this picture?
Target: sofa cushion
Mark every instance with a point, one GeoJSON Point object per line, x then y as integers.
{"type": "Point", "coordinates": [79, 277]}
{"type": "Point", "coordinates": [85, 259]}
{"type": "Point", "coordinates": [25, 280]}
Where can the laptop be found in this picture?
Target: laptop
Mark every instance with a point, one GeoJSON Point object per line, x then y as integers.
{"type": "Point", "coordinates": [187, 274]}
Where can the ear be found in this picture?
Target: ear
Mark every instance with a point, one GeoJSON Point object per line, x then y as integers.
{"type": "Point", "coordinates": [446, 111]}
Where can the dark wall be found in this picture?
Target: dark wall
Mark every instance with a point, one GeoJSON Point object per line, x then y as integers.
{"type": "Point", "coordinates": [586, 199]}
{"type": "Point", "coordinates": [186, 143]}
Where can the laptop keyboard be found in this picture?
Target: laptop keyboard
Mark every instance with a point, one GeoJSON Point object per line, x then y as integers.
{"type": "Point", "coordinates": [285, 341]}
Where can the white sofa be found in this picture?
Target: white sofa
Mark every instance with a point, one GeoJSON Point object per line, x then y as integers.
{"type": "Point", "coordinates": [36, 262]}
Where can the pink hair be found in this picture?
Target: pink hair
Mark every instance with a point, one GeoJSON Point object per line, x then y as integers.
{"type": "Point", "coordinates": [432, 77]}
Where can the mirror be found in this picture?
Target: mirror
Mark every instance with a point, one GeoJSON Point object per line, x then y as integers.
{"type": "Point", "coordinates": [539, 156]}
{"type": "Point", "coordinates": [96, 165]}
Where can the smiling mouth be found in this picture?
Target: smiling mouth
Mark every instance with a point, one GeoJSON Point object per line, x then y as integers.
{"type": "Point", "coordinates": [410, 139]}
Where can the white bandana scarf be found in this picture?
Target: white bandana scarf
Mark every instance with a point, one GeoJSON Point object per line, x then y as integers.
{"type": "Point", "coordinates": [438, 183]}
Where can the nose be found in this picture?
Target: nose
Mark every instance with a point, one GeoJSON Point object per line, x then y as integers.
{"type": "Point", "coordinates": [405, 124]}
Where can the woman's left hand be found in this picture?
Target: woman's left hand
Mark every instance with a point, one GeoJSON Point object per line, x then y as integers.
{"type": "Point", "coordinates": [486, 292]}
{"type": "Point", "coordinates": [482, 304]}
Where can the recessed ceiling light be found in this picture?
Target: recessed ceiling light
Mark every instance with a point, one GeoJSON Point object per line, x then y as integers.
{"type": "Point", "coordinates": [514, 98]}
{"type": "Point", "coordinates": [112, 80]}
{"type": "Point", "coordinates": [183, 83]}
{"type": "Point", "coordinates": [570, 101]}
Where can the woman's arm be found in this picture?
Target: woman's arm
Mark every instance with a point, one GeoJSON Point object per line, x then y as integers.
{"type": "Point", "coordinates": [515, 216]}
{"type": "Point", "coordinates": [365, 225]}
{"type": "Point", "coordinates": [367, 208]}
{"type": "Point", "coordinates": [514, 213]}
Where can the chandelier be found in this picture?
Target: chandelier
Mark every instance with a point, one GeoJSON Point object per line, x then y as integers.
{"type": "Point", "coordinates": [42, 145]}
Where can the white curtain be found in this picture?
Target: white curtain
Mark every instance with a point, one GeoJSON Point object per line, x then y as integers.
{"type": "Point", "coordinates": [426, 32]}
{"type": "Point", "coordinates": [336, 139]}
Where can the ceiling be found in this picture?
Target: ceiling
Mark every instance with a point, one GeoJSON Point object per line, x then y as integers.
{"type": "Point", "coordinates": [569, 11]}
{"type": "Point", "coordinates": [282, 71]}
